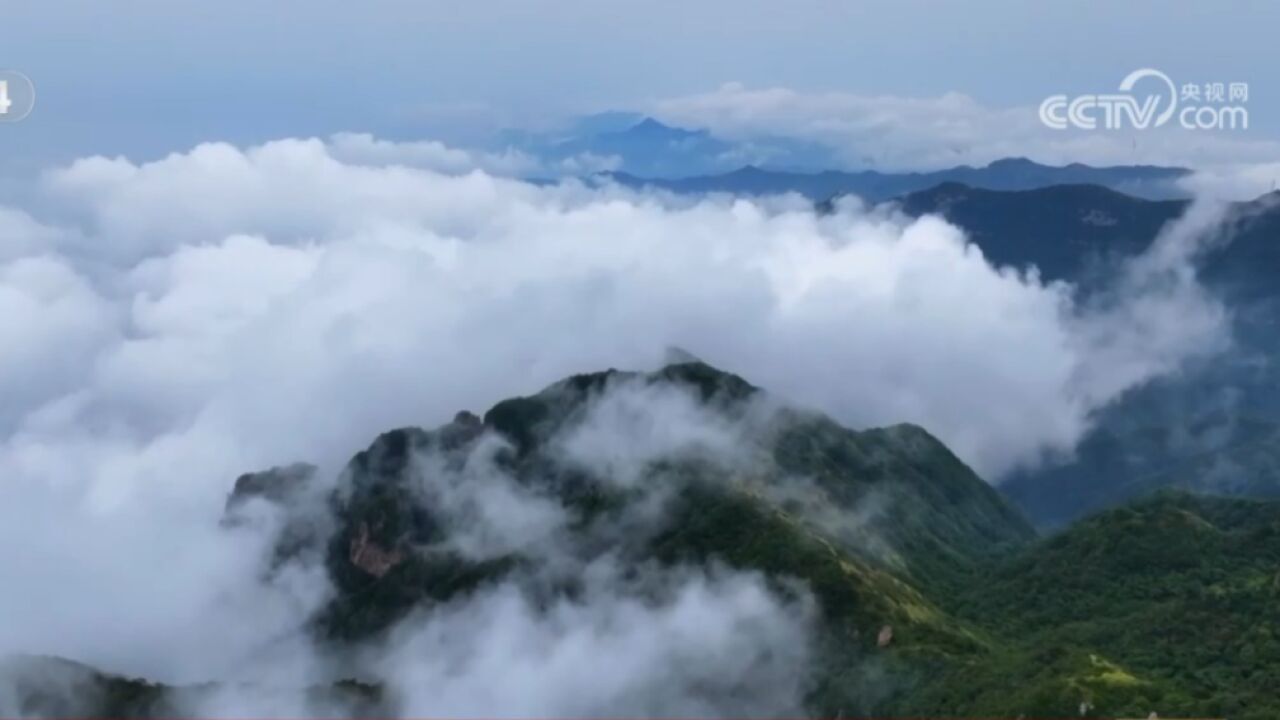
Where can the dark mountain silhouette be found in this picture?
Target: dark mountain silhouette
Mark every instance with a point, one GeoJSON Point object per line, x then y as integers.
{"type": "Point", "coordinates": [876, 186]}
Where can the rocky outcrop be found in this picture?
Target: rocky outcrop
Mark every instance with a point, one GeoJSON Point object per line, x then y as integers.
{"type": "Point", "coordinates": [885, 637]}
{"type": "Point", "coordinates": [280, 485]}
{"type": "Point", "coordinates": [371, 557]}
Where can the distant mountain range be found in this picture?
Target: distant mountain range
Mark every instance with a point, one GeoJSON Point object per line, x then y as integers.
{"type": "Point", "coordinates": [873, 186]}
{"type": "Point", "coordinates": [1064, 229]}
{"type": "Point", "coordinates": [940, 603]}
{"type": "Point", "coordinates": [639, 151]}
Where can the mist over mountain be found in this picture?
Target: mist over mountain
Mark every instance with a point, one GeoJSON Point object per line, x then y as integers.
{"type": "Point", "coordinates": [681, 542]}
{"type": "Point", "coordinates": [1215, 426]}
{"type": "Point", "coordinates": [732, 555]}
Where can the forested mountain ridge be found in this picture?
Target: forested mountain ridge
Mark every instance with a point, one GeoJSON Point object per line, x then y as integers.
{"type": "Point", "coordinates": [932, 595]}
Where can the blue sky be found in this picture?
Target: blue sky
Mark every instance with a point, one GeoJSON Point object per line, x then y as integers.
{"type": "Point", "coordinates": [145, 77]}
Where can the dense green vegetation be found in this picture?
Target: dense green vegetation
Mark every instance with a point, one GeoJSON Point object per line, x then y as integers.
{"type": "Point", "coordinates": [1170, 604]}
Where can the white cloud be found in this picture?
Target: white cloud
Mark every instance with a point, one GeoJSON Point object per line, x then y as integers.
{"type": "Point", "coordinates": [1235, 181]}
{"type": "Point", "coordinates": [634, 425]}
{"type": "Point", "coordinates": [364, 149]}
{"type": "Point", "coordinates": [21, 235]}
{"type": "Point", "coordinates": [249, 282]}
{"type": "Point", "coordinates": [710, 647]}
{"type": "Point", "coordinates": [589, 164]}
{"type": "Point", "coordinates": [54, 323]}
